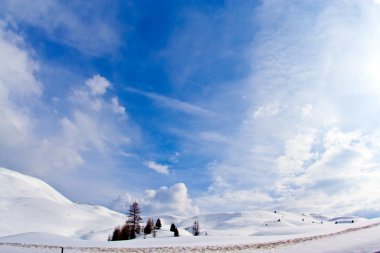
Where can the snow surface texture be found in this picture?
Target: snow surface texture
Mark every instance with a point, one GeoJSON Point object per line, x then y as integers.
{"type": "Point", "coordinates": [36, 218]}
{"type": "Point", "coordinates": [28, 204]}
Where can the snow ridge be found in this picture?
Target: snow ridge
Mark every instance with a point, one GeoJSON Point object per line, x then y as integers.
{"type": "Point", "coordinates": [28, 204]}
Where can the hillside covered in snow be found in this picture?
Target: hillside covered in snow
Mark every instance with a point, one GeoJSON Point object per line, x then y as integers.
{"type": "Point", "coordinates": [36, 218]}
{"type": "Point", "coordinates": [28, 204]}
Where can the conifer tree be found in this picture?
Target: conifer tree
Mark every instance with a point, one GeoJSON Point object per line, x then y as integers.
{"type": "Point", "coordinates": [116, 234]}
{"type": "Point", "coordinates": [134, 218]}
{"type": "Point", "coordinates": [125, 232]}
{"type": "Point", "coordinates": [196, 228]}
{"type": "Point", "coordinates": [158, 224]}
{"type": "Point", "coordinates": [172, 227]}
{"type": "Point", "coordinates": [176, 233]}
{"type": "Point", "coordinates": [154, 232]}
{"type": "Point", "coordinates": [132, 235]}
{"type": "Point", "coordinates": [148, 227]}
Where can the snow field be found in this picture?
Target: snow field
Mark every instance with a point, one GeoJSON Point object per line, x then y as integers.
{"type": "Point", "coordinates": [360, 239]}
{"type": "Point", "coordinates": [36, 218]}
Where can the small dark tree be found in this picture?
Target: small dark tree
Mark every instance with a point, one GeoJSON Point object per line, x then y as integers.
{"type": "Point", "coordinates": [132, 234]}
{"type": "Point", "coordinates": [172, 227]}
{"type": "Point", "coordinates": [196, 228]}
{"type": "Point", "coordinates": [148, 227]}
{"type": "Point", "coordinates": [134, 217]}
{"type": "Point", "coordinates": [125, 232]}
{"type": "Point", "coordinates": [154, 232]}
{"type": "Point", "coordinates": [158, 224]}
{"type": "Point", "coordinates": [116, 234]}
{"type": "Point", "coordinates": [176, 233]}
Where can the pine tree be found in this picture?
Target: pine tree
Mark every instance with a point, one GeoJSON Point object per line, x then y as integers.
{"type": "Point", "coordinates": [125, 232]}
{"type": "Point", "coordinates": [132, 234]}
{"type": "Point", "coordinates": [172, 227]}
{"type": "Point", "coordinates": [196, 228]}
{"type": "Point", "coordinates": [154, 232]}
{"type": "Point", "coordinates": [148, 227]}
{"type": "Point", "coordinates": [116, 234]}
{"type": "Point", "coordinates": [158, 224]}
{"type": "Point", "coordinates": [134, 218]}
{"type": "Point", "coordinates": [176, 233]}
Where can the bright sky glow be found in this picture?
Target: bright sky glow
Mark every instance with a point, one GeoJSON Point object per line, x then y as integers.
{"type": "Point", "coordinates": [213, 105]}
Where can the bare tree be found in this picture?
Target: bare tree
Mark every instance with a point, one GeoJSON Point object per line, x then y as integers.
{"type": "Point", "coordinates": [134, 218]}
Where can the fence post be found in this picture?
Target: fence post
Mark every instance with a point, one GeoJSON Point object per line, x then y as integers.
{"type": "Point", "coordinates": [61, 249]}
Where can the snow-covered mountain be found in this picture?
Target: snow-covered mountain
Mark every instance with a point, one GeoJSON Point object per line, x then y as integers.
{"type": "Point", "coordinates": [33, 213]}
{"type": "Point", "coordinates": [28, 204]}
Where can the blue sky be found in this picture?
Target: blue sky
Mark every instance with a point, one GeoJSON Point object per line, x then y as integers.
{"type": "Point", "coordinates": [201, 105]}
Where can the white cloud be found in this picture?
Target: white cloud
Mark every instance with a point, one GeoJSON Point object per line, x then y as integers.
{"type": "Point", "coordinates": [122, 203]}
{"type": "Point", "coordinates": [82, 97]}
{"type": "Point", "coordinates": [297, 152]}
{"type": "Point", "coordinates": [267, 111]}
{"type": "Point", "coordinates": [17, 69]}
{"type": "Point", "coordinates": [76, 135]}
{"type": "Point", "coordinates": [116, 107]}
{"type": "Point", "coordinates": [175, 157]}
{"type": "Point", "coordinates": [315, 148]}
{"type": "Point", "coordinates": [92, 97]}
{"type": "Point", "coordinates": [344, 175]}
{"type": "Point", "coordinates": [307, 110]}
{"type": "Point", "coordinates": [69, 23]}
{"type": "Point", "coordinates": [212, 136]}
{"type": "Point", "coordinates": [19, 89]}
{"type": "Point", "coordinates": [172, 103]}
{"type": "Point", "coordinates": [98, 85]}
{"type": "Point", "coordinates": [173, 200]}
{"type": "Point", "coordinates": [159, 168]}
{"type": "Point", "coordinates": [234, 200]}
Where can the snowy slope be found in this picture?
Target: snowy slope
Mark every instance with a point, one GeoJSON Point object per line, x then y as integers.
{"type": "Point", "coordinates": [358, 239]}
{"type": "Point", "coordinates": [261, 223]}
{"type": "Point", "coordinates": [36, 218]}
{"type": "Point", "coordinates": [28, 204]}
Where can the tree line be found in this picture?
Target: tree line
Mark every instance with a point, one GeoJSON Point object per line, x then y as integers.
{"type": "Point", "coordinates": [131, 229]}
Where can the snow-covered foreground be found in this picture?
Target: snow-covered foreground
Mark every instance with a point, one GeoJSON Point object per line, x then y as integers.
{"type": "Point", "coordinates": [36, 218]}
{"type": "Point", "coordinates": [359, 239]}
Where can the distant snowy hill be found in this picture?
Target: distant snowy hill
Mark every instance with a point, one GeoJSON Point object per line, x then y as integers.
{"type": "Point", "coordinates": [36, 218]}
{"type": "Point", "coordinates": [28, 204]}
{"type": "Point", "coordinates": [260, 222]}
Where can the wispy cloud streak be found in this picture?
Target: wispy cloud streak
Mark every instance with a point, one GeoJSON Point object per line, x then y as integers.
{"type": "Point", "coordinates": [172, 103]}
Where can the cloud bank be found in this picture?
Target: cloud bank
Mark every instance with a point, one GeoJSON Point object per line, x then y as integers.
{"type": "Point", "coordinates": [53, 138]}
{"type": "Point", "coordinates": [69, 23]}
{"type": "Point", "coordinates": [309, 140]}
{"type": "Point", "coordinates": [172, 200]}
